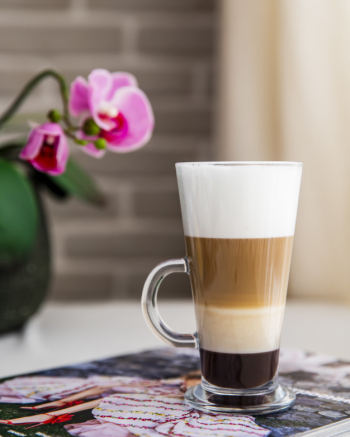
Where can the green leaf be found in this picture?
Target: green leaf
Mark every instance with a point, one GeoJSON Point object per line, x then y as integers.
{"type": "Point", "coordinates": [79, 184]}
{"type": "Point", "coordinates": [18, 214]}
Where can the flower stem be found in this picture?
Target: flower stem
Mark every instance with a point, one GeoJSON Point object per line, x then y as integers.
{"type": "Point", "coordinates": [69, 134]}
{"type": "Point", "coordinates": [75, 139]}
{"type": "Point", "coordinates": [29, 88]}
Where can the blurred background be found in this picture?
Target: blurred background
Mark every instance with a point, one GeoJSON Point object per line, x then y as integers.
{"type": "Point", "coordinates": [104, 254]}
{"type": "Point", "coordinates": [229, 79]}
{"type": "Point", "coordinates": [284, 80]}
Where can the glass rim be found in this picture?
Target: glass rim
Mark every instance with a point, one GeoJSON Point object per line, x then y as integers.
{"type": "Point", "coordinates": [240, 163]}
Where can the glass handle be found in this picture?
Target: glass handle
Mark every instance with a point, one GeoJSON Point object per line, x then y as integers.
{"type": "Point", "coordinates": [150, 306]}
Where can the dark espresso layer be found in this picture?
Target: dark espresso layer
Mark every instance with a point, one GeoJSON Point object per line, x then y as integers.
{"type": "Point", "coordinates": [239, 371]}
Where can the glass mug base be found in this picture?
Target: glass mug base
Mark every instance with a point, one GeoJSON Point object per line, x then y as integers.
{"type": "Point", "coordinates": [254, 402]}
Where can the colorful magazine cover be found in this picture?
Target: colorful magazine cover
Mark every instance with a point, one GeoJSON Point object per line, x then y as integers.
{"type": "Point", "coordinates": [143, 395]}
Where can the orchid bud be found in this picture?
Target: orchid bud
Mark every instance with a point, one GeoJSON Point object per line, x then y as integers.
{"type": "Point", "coordinates": [47, 149]}
{"type": "Point", "coordinates": [90, 127]}
{"type": "Point", "coordinates": [54, 115]}
{"type": "Point", "coordinates": [100, 144]}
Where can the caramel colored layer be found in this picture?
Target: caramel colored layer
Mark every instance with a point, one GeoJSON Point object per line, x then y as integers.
{"type": "Point", "coordinates": [239, 273]}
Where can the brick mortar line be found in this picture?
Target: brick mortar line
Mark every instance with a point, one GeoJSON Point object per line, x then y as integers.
{"type": "Point", "coordinates": [130, 36]}
{"type": "Point", "coordinates": [157, 151]}
{"type": "Point", "coordinates": [165, 104]}
{"type": "Point", "coordinates": [126, 203]}
{"type": "Point", "coordinates": [114, 186]}
{"type": "Point", "coordinates": [200, 80]}
{"type": "Point", "coordinates": [118, 226]}
{"type": "Point", "coordinates": [161, 186]}
{"type": "Point", "coordinates": [78, 7]}
{"type": "Point", "coordinates": [98, 19]}
{"type": "Point", "coordinates": [78, 61]}
{"type": "Point", "coordinates": [107, 265]}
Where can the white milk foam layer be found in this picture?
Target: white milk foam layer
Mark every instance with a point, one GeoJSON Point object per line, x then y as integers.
{"type": "Point", "coordinates": [239, 330]}
{"type": "Point", "coordinates": [239, 200]}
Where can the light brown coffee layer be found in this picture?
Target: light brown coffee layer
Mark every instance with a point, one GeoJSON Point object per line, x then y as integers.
{"type": "Point", "coordinates": [239, 273]}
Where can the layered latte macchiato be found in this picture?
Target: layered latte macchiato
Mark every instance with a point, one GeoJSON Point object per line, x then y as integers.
{"type": "Point", "coordinates": [239, 247]}
{"type": "Point", "coordinates": [239, 288]}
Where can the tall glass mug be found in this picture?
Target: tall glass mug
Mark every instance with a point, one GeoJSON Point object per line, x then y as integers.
{"type": "Point", "coordinates": [239, 220]}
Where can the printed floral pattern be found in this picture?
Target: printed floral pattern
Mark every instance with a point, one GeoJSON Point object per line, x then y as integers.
{"type": "Point", "coordinates": [143, 395]}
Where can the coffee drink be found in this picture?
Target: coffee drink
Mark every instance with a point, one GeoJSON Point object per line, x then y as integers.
{"type": "Point", "coordinates": [239, 288]}
{"type": "Point", "coordinates": [239, 220]}
{"type": "Point", "coordinates": [239, 225]}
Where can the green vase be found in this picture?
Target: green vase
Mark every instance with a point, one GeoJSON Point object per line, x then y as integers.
{"type": "Point", "coordinates": [23, 286]}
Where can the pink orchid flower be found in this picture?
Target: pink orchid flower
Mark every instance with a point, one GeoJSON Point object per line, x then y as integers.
{"type": "Point", "coordinates": [121, 110]}
{"type": "Point", "coordinates": [47, 149]}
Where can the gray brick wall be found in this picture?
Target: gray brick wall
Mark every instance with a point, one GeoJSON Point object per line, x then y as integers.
{"type": "Point", "coordinates": [103, 254]}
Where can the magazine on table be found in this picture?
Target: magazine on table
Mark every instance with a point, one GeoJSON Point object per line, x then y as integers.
{"type": "Point", "coordinates": [142, 394]}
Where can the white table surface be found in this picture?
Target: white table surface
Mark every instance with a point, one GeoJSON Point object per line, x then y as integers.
{"type": "Point", "coordinates": [62, 334]}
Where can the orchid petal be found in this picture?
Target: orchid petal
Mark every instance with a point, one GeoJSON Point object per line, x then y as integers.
{"type": "Point", "coordinates": [101, 79]}
{"type": "Point", "coordinates": [36, 141]}
{"type": "Point", "coordinates": [119, 80]}
{"type": "Point", "coordinates": [118, 107]}
{"type": "Point", "coordinates": [91, 150]}
{"type": "Point", "coordinates": [36, 137]}
{"type": "Point", "coordinates": [100, 83]}
{"type": "Point", "coordinates": [33, 145]}
{"type": "Point", "coordinates": [61, 166]}
{"type": "Point", "coordinates": [50, 129]}
{"type": "Point", "coordinates": [79, 96]}
{"type": "Point", "coordinates": [38, 166]}
{"type": "Point", "coordinates": [137, 110]}
{"type": "Point", "coordinates": [62, 152]}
